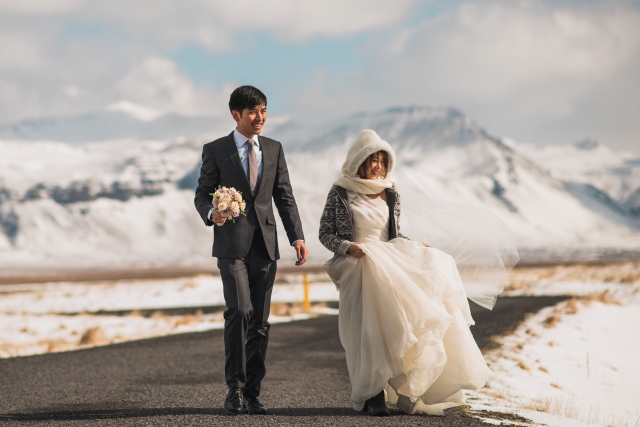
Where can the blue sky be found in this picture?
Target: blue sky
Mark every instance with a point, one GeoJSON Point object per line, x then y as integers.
{"type": "Point", "coordinates": [280, 67]}
{"type": "Point", "coordinates": [285, 67]}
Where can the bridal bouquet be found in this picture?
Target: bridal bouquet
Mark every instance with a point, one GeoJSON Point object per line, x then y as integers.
{"type": "Point", "coordinates": [228, 201]}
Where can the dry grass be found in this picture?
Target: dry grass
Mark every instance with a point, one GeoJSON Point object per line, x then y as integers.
{"type": "Point", "coordinates": [628, 272]}
{"type": "Point", "coordinates": [568, 408]}
{"type": "Point", "coordinates": [93, 336]}
{"type": "Point", "coordinates": [523, 365]}
{"type": "Point", "coordinates": [551, 320]}
{"type": "Point", "coordinates": [56, 346]}
{"type": "Point", "coordinates": [494, 415]}
{"type": "Point", "coordinates": [188, 319]}
{"type": "Point", "coordinates": [289, 309]}
{"type": "Point", "coordinates": [571, 306]}
{"type": "Point", "coordinates": [603, 297]}
{"type": "Point", "coordinates": [158, 314]}
{"type": "Point", "coordinates": [281, 309]}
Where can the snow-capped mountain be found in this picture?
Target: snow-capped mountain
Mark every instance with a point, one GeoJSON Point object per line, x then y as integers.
{"type": "Point", "coordinates": [123, 119]}
{"type": "Point", "coordinates": [615, 173]}
{"type": "Point", "coordinates": [129, 201]}
{"type": "Point", "coordinates": [458, 161]}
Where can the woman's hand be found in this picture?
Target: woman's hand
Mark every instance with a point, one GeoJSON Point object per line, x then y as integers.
{"type": "Point", "coordinates": [355, 251]}
{"type": "Point", "coordinates": [429, 246]}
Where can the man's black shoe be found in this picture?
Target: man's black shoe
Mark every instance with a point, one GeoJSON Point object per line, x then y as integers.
{"type": "Point", "coordinates": [234, 400]}
{"type": "Point", "coordinates": [253, 405]}
{"type": "Point", "coordinates": [376, 405]}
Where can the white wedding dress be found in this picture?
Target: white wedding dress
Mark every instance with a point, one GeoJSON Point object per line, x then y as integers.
{"type": "Point", "coordinates": [404, 319]}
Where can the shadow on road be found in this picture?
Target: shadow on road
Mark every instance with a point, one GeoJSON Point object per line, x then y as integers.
{"type": "Point", "coordinates": [103, 414]}
{"type": "Point", "coordinates": [111, 414]}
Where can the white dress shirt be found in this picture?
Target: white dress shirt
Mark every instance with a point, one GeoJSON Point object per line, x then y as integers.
{"type": "Point", "coordinates": [243, 147]}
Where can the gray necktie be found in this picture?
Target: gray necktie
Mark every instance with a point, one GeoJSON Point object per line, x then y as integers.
{"type": "Point", "coordinates": [252, 172]}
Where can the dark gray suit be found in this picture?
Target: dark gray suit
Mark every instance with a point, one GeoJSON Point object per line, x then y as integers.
{"type": "Point", "coordinates": [247, 251]}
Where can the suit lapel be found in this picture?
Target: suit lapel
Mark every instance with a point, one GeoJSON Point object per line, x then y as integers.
{"type": "Point", "coordinates": [232, 149]}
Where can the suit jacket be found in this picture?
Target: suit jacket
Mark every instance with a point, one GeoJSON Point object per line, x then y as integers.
{"type": "Point", "coordinates": [221, 166]}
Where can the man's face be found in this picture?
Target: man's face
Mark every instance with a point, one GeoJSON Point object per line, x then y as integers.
{"type": "Point", "coordinates": [251, 121]}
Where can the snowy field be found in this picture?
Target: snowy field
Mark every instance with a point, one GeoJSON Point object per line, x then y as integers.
{"type": "Point", "coordinates": [44, 318]}
{"type": "Point", "coordinates": [574, 364]}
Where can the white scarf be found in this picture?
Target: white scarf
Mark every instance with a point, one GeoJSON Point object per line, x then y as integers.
{"type": "Point", "coordinates": [367, 142]}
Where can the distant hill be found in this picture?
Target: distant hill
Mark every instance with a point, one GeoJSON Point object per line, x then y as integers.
{"type": "Point", "coordinates": [121, 120]}
{"type": "Point", "coordinates": [126, 198]}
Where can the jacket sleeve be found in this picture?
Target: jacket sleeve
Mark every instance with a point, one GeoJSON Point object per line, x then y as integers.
{"type": "Point", "coordinates": [396, 212]}
{"type": "Point", "coordinates": [207, 184]}
{"type": "Point", "coordinates": [328, 233]}
{"type": "Point", "coordinates": [285, 202]}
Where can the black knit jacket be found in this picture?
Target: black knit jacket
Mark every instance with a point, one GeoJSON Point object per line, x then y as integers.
{"type": "Point", "coordinates": [336, 223]}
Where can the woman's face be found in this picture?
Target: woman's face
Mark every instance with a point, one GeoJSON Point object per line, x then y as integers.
{"type": "Point", "coordinates": [373, 166]}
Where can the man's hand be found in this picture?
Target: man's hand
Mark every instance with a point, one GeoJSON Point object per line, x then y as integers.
{"type": "Point", "coordinates": [355, 251]}
{"type": "Point", "coordinates": [301, 252]}
{"type": "Point", "coordinates": [217, 218]}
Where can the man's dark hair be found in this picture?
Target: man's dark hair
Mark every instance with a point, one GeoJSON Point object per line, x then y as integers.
{"type": "Point", "coordinates": [246, 97]}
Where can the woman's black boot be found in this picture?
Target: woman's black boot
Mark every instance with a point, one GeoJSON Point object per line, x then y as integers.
{"type": "Point", "coordinates": [376, 405]}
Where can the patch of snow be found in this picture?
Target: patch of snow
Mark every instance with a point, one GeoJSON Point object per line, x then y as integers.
{"type": "Point", "coordinates": [122, 295]}
{"type": "Point", "coordinates": [28, 334]}
{"type": "Point", "coordinates": [42, 318]}
{"type": "Point", "coordinates": [538, 418]}
{"type": "Point", "coordinates": [578, 359]}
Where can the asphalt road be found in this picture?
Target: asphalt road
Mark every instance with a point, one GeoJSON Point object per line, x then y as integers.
{"type": "Point", "coordinates": [178, 380]}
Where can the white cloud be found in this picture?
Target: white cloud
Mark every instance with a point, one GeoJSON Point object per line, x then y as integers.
{"type": "Point", "coordinates": [38, 6]}
{"type": "Point", "coordinates": [523, 68]}
{"type": "Point", "coordinates": [538, 56]}
{"type": "Point", "coordinates": [215, 23]}
{"type": "Point", "coordinates": [158, 83]}
{"type": "Point", "coordinates": [518, 66]}
{"type": "Point", "coordinates": [70, 56]}
{"type": "Point", "coordinates": [18, 52]}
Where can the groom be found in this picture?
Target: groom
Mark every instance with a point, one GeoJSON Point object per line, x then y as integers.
{"type": "Point", "coordinates": [247, 250]}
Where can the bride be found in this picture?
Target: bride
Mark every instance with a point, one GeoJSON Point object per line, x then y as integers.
{"type": "Point", "coordinates": [404, 315]}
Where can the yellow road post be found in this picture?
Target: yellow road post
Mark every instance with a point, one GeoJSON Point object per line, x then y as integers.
{"type": "Point", "coordinates": [305, 285]}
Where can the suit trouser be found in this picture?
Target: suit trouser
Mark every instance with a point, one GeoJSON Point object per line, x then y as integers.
{"type": "Point", "coordinates": [247, 284]}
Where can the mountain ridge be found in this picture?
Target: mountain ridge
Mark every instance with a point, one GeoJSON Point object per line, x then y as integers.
{"type": "Point", "coordinates": [129, 201]}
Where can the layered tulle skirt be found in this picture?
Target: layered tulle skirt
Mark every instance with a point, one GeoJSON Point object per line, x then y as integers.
{"type": "Point", "coordinates": [404, 324]}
